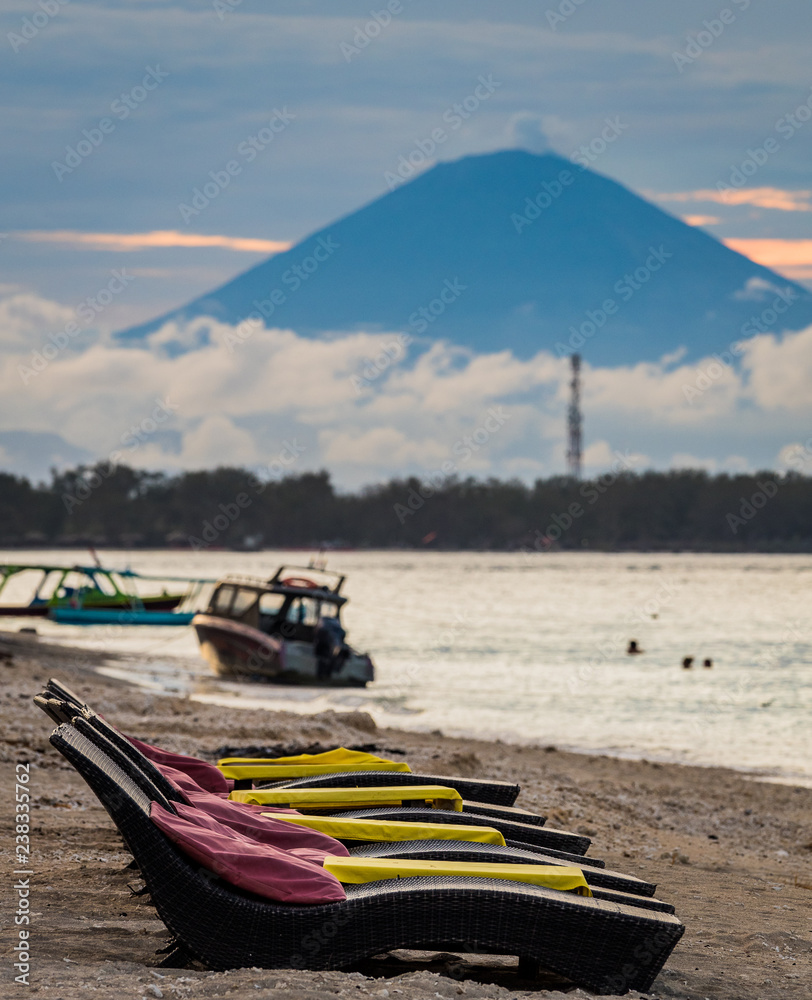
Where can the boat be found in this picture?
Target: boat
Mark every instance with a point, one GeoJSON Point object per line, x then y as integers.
{"type": "Point", "coordinates": [79, 586]}
{"type": "Point", "coordinates": [286, 630]}
{"type": "Point", "coordinates": [124, 616]}
{"type": "Point", "coordinates": [98, 595]}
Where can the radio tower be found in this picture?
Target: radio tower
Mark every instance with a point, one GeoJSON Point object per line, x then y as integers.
{"type": "Point", "coordinates": [575, 419]}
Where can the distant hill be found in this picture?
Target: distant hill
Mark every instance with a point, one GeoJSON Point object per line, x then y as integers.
{"type": "Point", "coordinates": [512, 250]}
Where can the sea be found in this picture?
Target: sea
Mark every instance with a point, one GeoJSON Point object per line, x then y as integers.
{"type": "Point", "coordinates": [528, 648]}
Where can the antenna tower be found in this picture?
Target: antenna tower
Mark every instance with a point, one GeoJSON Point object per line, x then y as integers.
{"type": "Point", "coordinates": [575, 419]}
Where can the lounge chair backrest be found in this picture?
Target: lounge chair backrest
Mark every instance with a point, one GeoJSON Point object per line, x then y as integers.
{"type": "Point", "coordinates": [64, 693]}
{"type": "Point", "coordinates": [134, 755]}
{"type": "Point", "coordinates": [148, 779]}
{"type": "Point", "coordinates": [52, 708]}
{"type": "Point", "coordinates": [115, 789]}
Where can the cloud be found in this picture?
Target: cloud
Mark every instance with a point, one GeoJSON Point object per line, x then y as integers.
{"type": "Point", "coordinates": [158, 238]}
{"type": "Point", "coordinates": [780, 371]}
{"type": "Point", "coordinates": [24, 317]}
{"type": "Point", "coordinates": [792, 258]}
{"type": "Point", "coordinates": [232, 402]}
{"type": "Point", "coordinates": [701, 220]}
{"type": "Point", "coordinates": [756, 290]}
{"type": "Point", "coordinates": [762, 197]}
{"type": "Point", "coordinates": [526, 131]}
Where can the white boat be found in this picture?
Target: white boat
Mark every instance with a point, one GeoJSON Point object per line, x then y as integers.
{"type": "Point", "coordinates": [286, 630]}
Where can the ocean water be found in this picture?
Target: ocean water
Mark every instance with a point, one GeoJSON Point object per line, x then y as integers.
{"type": "Point", "coordinates": [531, 648]}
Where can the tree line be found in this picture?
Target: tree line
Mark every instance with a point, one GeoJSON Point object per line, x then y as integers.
{"type": "Point", "coordinates": [118, 506]}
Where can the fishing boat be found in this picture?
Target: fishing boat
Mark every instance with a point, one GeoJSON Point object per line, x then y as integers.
{"type": "Point", "coordinates": [286, 630]}
{"type": "Point", "coordinates": [128, 616]}
{"type": "Point", "coordinates": [97, 595]}
{"type": "Point", "coordinates": [78, 587]}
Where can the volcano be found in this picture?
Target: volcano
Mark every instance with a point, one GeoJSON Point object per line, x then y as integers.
{"type": "Point", "coordinates": [519, 251]}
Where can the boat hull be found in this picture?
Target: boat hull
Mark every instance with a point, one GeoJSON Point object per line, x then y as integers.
{"type": "Point", "coordinates": [163, 602]}
{"type": "Point", "coordinates": [102, 616]}
{"type": "Point", "coordinates": [240, 652]}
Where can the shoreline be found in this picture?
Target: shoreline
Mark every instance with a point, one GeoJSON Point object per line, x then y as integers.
{"type": "Point", "coordinates": [228, 700]}
{"type": "Point", "coordinates": [732, 853]}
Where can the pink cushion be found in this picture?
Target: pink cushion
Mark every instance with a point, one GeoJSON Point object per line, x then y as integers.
{"type": "Point", "coordinates": [247, 819]}
{"type": "Point", "coordinates": [206, 775]}
{"type": "Point", "coordinates": [260, 868]}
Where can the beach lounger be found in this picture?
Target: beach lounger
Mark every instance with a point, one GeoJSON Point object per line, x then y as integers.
{"type": "Point", "coordinates": [527, 833]}
{"type": "Point", "coordinates": [559, 844]}
{"type": "Point", "coordinates": [604, 946]}
{"type": "Point", "coordinates": [378, 838]}
{"type": "Point", "coordinates": [144, 772]}
{"type": "Point", "coordinates": [247, 773]}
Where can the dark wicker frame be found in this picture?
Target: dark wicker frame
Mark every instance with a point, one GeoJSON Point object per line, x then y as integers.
{"type": "Point", "coordinates": [603, 946]}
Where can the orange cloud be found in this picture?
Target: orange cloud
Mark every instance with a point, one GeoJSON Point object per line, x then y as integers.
{"type": "Point", "coordinates": [763, 197]}
{"type": "Point", "coordinates": [701, 220]}
{"type": "Point", "coordinates": [158, 238]}
{"type": "Point", "coordinates": [792, 258]}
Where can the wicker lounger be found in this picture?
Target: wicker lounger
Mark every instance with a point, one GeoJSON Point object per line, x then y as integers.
{"type": "Point", "coordinates": [144, 773]}
{"type": "Point", "coordinates": [497, 793]}
{"type": "Point", "coordinates": [540, 836]}
{"type": "Point", "coordinates": [603, 946]}
{"type": "Point", "coordinates": [604, 884]}
{"type": "Point", "coordinates": [471, 790]}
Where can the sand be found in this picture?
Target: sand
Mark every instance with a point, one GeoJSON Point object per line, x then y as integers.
{"type": "Point", "coordinates": [734, 855]}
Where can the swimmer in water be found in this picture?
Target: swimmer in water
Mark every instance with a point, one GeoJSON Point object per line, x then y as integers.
{"type": "Point", "coordinates": [687, 662]}
{"type": "Point", "coordinates": [633, 649]}
{"type": "Point", "coordinates": [707, 663]}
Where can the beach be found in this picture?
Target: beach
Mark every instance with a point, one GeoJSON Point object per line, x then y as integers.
{"type": "Point", "coordinates": [733, 854]}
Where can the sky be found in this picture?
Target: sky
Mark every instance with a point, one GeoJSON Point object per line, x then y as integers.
{"type": "Point", "coordinates": [114, 113]}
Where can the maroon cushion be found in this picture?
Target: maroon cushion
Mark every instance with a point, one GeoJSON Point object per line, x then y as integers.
{"type": "Point", "coordinates": [206, 775]}
{"type": "Point", "coordinates": [247, 819]}
{"type": "Point", "coordinates": [259, 868]}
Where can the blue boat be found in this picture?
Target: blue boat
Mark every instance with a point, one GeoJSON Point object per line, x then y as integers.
{"type": "Point", "coordinates": [129, 616]}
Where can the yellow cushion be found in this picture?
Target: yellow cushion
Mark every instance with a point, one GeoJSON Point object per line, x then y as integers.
{"type": "Point", "coordinates": [376, 869]}
{"type": "Point", "coordinates": [263, 771]}
{"type": "Point", "coordinates": [340, 756]}
{"type": "Point", "coordinates": [350, 798]}
{"type": "Point", "coordinates": [381, 830]}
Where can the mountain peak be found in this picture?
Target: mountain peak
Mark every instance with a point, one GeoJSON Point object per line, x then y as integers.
{"type": "Point", "coordinates": [542, 254]}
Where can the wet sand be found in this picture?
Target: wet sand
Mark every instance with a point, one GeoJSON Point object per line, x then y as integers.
{"type": "Point", "coordinates": [732, 854]}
